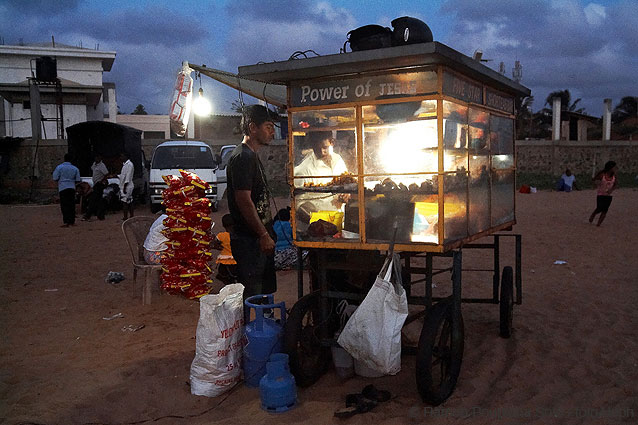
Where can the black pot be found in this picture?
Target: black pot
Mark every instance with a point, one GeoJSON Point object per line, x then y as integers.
{"type": "Point", "coordinates": [369, 37]}
{"type": "Point", "coordinates": [408, 30]}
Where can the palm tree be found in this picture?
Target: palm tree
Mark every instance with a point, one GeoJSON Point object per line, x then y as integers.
{"type": "Point", "coordinates": [627, 108]}
{"type": "Point", "coordinates": [565, 99]}
{"type": "Point", "coordinates": [524, 116]}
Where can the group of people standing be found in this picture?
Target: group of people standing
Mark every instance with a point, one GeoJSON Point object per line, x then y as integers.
{"type": "Point", "coordinates": [67, 177]}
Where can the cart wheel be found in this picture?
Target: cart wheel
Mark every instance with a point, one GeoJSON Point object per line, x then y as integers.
{"type": "Point", "coordinates": [308, 358]}
{"type": "Point", "coordinates": [506, 302]}
{"type": "Point", "coordinates": [440, 353]}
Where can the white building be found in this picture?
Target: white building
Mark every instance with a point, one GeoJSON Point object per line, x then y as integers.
{"type": "Point", "coordinates": [82, 94]}
{"type": "Point", "coordinates": [152, 126]}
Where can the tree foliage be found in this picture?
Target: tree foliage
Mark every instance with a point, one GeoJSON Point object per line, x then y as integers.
{"type": "Point", "coordinates": [565, 101]}
{"type": "Point", "coordinates": [139, 110]}
{"type": "Point", "coordinates": [627, 108]}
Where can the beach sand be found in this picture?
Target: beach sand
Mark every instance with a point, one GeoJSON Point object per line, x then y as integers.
{"type": "Point", "coordinates": [571, 358]}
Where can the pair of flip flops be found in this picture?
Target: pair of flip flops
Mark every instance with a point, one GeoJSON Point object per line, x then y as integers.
{"type": "Point", "coordinates": [362, 402]}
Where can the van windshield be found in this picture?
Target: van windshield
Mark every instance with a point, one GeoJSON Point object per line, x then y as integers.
{"type": "Point", "coordinates": [185, 157]}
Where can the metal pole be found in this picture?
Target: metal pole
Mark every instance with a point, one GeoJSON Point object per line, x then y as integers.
{"type": "Point", "coordinates": [457, 263]}
{"type": "Point", "coordinates": [36, 125]}
{"type": "Point", "coordinates": [497, 266]}
{"type": "Point", "coordinates": [519, 273]}
{"type": "Point", "coordinates": [428, 279]}
{"type": "Point", "coordinates": [323, 299]}
{"type": "Point", "coordinates": [299, 273]}
{"type": "Point", "coordinates": [407, 285]}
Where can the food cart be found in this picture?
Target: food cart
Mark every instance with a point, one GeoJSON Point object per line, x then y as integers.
{"type": "Point", "coordinates": [408, 148]}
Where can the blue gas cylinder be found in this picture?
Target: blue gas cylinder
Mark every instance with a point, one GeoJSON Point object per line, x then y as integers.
{"type": "Point", "coordinates": [264, 336]}
{"type": "Point", "coordinates": [277, 389]}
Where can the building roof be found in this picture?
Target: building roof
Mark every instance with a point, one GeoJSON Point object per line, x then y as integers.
{"type": "Point", "coordinates": [72, 92]}
{"type": "Point", "coordinates": [60, 50]}
{"type": "Point", "coordinates": [566, 115]}
{"type": "Point", "coordinates": [384, 59]}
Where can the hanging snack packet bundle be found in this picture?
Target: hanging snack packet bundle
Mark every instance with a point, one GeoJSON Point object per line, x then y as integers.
{"type": "Point", "coordinates": [185, 268]}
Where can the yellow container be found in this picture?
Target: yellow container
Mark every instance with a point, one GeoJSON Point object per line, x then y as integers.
{"type": "Point", "coordinates": [334, 217]}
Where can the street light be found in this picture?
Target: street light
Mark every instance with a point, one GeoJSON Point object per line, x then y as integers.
{"type": "Point", "coordinates": [201, 106]}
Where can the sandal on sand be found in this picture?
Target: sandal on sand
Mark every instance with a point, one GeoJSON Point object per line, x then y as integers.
{"type": "Point", "coordinates": [355, 403]}
{"type": "Point", "coordinates": [372, 393]}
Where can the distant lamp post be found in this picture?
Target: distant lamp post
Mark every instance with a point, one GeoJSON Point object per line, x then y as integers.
{"type": "Point", "coordinates": [201, 106]}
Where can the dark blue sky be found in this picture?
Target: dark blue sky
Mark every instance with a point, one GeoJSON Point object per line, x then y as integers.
{"type": "Point", "coordinates": [590, 48]}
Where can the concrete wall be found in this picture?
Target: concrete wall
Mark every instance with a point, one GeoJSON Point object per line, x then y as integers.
{"type": "Point", "coordinates": [18, 119]}
{"type": "Point", "coordinates": [15, 179]}
{"type": "Point", "coordinates": [582, 157]}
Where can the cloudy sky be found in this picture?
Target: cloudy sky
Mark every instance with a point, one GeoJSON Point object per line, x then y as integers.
{"type": "Point", "coordinates": [590, 48]}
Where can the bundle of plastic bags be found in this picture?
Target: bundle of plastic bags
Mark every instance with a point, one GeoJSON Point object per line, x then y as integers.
{"type": "Point", "coordinates": [185, 268]}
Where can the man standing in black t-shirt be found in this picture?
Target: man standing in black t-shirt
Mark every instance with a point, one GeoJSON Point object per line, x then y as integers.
{"type": "Point", "coordinates": [249, 204]}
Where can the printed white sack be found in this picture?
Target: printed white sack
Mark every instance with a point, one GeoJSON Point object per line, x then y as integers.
{"type": "Point", "coordinates": [372, 335]}
{"type": "Point", "coordinates": [216, 367]}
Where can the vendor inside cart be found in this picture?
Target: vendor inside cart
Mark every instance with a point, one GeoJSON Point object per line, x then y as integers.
{"type": "Point", "coordinates": [320, 161]}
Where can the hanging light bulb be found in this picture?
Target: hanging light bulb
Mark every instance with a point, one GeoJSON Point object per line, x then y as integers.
{"type": "Point", "coordinates": [201, 106]}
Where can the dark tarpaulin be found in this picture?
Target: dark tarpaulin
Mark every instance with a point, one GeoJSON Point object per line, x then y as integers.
{"type": "Point", "coordinates": [107, 139]}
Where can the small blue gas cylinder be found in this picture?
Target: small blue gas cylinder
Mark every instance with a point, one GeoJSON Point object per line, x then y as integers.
{"type": "Point", "coordinates": [264, 336]}
{"type": "Point", "coordinates": [277, 389]}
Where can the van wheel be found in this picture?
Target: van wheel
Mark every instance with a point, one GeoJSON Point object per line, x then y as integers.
{"type": "Point", "coordinates": [144, 194]}
{"type": "Point", "coordinates": [155, 207]}
{"type": "Point", "coordinates": [214, 206]}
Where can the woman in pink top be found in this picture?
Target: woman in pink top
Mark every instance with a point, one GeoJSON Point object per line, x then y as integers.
{"type": "Point", "coordinates": [606, 182]}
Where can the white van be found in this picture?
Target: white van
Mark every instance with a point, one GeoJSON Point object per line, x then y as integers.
{"type": "Point", "coordinates": [222, 160]}
{"type": "Point", "coordinates": [170, 157]}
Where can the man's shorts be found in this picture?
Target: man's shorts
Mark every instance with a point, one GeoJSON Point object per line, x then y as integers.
{"type": "Point", "coordinates": [127, 196]}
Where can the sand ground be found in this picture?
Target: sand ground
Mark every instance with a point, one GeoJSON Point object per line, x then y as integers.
{"type": "Point", "coordinates": [571, 359]}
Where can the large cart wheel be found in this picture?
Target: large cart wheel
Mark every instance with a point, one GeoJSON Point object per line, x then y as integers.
{"type": "Point", "coordinates": [308, 358]}
{"type": "Point", "coordinates": [506, 302]}
{"type": "Point", "coordinates": [440, 353]}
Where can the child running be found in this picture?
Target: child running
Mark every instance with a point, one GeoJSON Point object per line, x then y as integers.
{"type": "Point", "coordinates": [607, 183]}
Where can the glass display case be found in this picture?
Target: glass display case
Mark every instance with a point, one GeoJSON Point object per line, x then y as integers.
{"type": "Point", "coordinates": [411, 145]}
{"type": "Point", "coordinates": [428, 171]}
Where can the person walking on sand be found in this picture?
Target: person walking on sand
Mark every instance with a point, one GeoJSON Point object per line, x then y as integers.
{"type": "Point", "coordinates": [607, 183]}
{"type": "Point", "coordinates": [126, 186]}
{"type": "Point", "coordinates": [97, 205]}
{"type": "Point", "coordinates": [67, 176]}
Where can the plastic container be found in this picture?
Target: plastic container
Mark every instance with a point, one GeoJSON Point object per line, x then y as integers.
{"type": "Point", "coordinates": [334, 217]}
{"type": "Point", "coordinates": [277, 389]}
{"type": "Point", "coordinates": [343, 362]}
{"type": "Point", "coordinates": [362, 370]}
{"type": "Point", "coordinates": [264, 337]}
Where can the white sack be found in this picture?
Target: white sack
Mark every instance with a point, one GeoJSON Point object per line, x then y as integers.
{"type": "Point", "coordinates": [216, 367]}
{"type": "Point", "coordinates": [372, 335]}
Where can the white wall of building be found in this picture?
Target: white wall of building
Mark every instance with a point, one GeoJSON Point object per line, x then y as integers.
{"type": "Point", "coordinates": [147, 123]}
{"type": "Point", "coordinates": [80, 72]}
{"type": "Point", "coordinates": [19, 124]}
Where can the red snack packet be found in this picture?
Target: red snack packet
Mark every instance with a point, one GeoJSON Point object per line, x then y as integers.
{"type": "Point", "coordinates": [193, 179]}
{"type": "Point", "coordinates": [173, 182]}
{"type": "Point", "coordinates": [196, 292]}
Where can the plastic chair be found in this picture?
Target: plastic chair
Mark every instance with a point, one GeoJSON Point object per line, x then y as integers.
{"type": "Point", "coordinates": [135, 230]}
